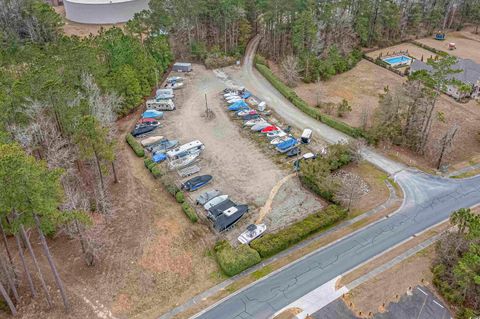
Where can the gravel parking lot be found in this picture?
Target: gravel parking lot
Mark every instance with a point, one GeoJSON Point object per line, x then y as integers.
{"type": "Point", "coordinates": [238, 165]}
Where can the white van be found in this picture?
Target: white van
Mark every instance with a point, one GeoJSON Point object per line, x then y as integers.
{"type": "Point", "coordinates": [160, 105]}
{"type": "Point", "coordinates": [193, 146]}
{"type": "Point", "coordinates": [306, 136]}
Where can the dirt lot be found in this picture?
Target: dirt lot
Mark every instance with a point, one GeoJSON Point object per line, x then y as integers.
{"type": "Point", "coordinates": [237, 164]}
{"type": "Point", "coordinates": [413, 50]}
{"type": "Point", "coordinates": [467, 42]}
{"type": "Point", "coordinates": [152, 259]}
{"type": "Point", "coordinates": [361, 87]}
{"type": "Point", "coordinates": [82, 30]}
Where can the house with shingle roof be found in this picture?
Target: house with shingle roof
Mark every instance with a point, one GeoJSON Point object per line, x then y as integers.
{"type": "Point", "coordinates": [469, 73]}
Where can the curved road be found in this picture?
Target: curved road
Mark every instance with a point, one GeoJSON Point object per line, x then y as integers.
{"type": "Point", "coordinates": [428, 201]}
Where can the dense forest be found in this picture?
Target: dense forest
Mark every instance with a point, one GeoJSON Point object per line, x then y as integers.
{"type": "Point", "coordinates": [322, 35]}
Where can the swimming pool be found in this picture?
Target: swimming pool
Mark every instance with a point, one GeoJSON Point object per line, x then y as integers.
{"type": "Point", "coordinates": [396, 60]}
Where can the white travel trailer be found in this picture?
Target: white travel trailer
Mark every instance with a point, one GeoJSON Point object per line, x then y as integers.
{"type": "Point", "coordinates": [306, 136]}
{"type": "Point", "coordinates": [182, 150]}
{"type": "Point", "coordinates": [160, 105]}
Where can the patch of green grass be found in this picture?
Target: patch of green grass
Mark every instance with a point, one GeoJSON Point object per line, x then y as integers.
{"type": "Point", "coordinates": [467, 174]}
{"type": "Point", "coordinates": [262, 272]}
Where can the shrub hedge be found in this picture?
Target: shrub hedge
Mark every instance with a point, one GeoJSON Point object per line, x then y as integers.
{"type": "Point", "coordinates": [273, 243]}
{"type": "Point", "coordinates": [180, 197]}
{"type": "Point", "coordinates": [137, 148]}
{"type": "Point", "coordinates": [307, 109]}
{"type": "Point", "coordinates": [190, 212]}
{"type": "Point", "coordinates": [232, 260]}
{"type": "Point", "coordinates": [156, 172]}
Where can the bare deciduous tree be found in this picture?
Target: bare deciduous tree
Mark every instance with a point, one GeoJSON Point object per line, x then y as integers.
{"type": "Point", "coordinates": [291, 70]}
{"type": "Point", "coordinates": [350, 190]}
{"type": "Point", "coordinates": [445, 144]}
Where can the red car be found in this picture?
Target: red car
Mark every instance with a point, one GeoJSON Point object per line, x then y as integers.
{"type": "Point", "coordinates": [270, 128]}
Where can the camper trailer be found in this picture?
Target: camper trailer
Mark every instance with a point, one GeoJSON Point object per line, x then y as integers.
{"type": "Point", "coordinates": [182, 67]}
{"type": "Point", "coordinates": [306, 136]}
{"type": "Point", "coordinates": [160, 105]}
{"type": "Point", "coordinates": [182, 150]}
{"type": "Point", "coordinates": [164, 94]}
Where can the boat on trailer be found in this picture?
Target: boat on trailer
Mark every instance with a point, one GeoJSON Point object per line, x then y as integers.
{"type": "Point", "coordinates": [253, 231]}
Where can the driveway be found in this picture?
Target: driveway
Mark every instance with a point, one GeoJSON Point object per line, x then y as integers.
{"type": "Point", "coordinates": [428, 200]}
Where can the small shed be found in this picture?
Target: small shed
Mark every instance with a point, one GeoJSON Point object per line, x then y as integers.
{"type": "Point", "coordinates": [182, 67]}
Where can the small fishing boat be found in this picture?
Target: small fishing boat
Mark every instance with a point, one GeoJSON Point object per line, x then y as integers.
{"type": "Point", "coordinates": [238, 106]}
{"type": "Point", "coordinates": [275, 134]}
{"type": "Point", "coordinates": [152, 114]}
{"type": "Point", "coordinates": [183, 161]}
{"type": "Point", "coordinates": [280, 139]}
{"type": "Point", "coordinates": [254, 121]}
{"type": "Point", "coordinates": [162, 146]}
{"type": "Point", "coordinates": [246, 112]}
{"type": "Point", "coordinates": [146, 120]}
{"type": "Point", "coordinates": [196, 183]}
{"type": "Point", "coordinates": [253, 231]}
{"type": "Point", "coordinates": [150, 123]}
{"type": "Point", "coordinates": [270, 128]}
{"type": "Point", "coordinates": [285, 146]}
{"type": "Point", "coordinates": [151, 140]}
{"type": "Point", "coordinates": [215, 201]}
{"type": "Point", "coordinates": [229, 217]}
{"type": "Point", "coordinates": [207, 196]}
{"type": "Point", "coordinates": [142, 130]}
{"type": "Point", "coordinates": [260, 126]}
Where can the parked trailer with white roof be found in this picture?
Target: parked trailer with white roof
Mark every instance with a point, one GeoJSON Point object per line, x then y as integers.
{"type": "Point", "coordinates": [182, 67]}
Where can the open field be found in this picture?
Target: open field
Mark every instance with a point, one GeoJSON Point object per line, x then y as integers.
{"type": "Point", "coordinates": [362, 86]}
{"type": "Point", "coordinates": [467, 42]}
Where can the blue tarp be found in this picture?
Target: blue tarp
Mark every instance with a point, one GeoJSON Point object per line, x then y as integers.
{"type": "Point", "coordinates": [152, 114]}
{"type": "Point", "coordinates": [159, 157]}
{"type": "Point", "coordinates": [286, 144]}
{"type": "Point", "coordinates": [246, 95]}
{"type": "Point", "coordinates": [237, 106]}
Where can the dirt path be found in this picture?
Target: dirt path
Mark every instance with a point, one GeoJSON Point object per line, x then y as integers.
{"type": "Point", "coordinates": [268, 204]}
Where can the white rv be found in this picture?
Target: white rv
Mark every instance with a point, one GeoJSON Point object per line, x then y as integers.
{"type": "Point", "coordinates": [306, 136]}
{"type": "Point", "coordinates": [182, 150]}
{"type": "Point", "coordinates": [160, 105]}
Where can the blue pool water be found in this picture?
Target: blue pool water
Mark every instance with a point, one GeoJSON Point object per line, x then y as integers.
{"type": "Point", "coordinates": [397, 60]}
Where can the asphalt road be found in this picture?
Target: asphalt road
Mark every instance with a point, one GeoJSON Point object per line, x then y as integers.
{"type": "Point", "coordinates": [428, 200]}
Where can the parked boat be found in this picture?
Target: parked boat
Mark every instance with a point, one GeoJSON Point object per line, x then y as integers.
{"type": "Point", "coordinates": [294, 152]}
{"type": "Point", "coordinates": [184, 161]}
{"type": "Point", "coordinates": [151, 140]}
{"type": "Point", "coordinates": [146, 120]}
{"type": "Point", "coordinates": [260, 126]}
{"type": "Point", "coordinates": [150, 123]}
{"type": "Point", "coordinates": [196, 183]}
{"type": "Point", "coordinates": [207, 196]}
{"type": "Point", "coordinates": [254, 121]}
{"type": "Point", "coordinates": [229, 217]}
{"type": "Point", "coordinates": [238, 106]}
{"type": "Point", "coordinates": [275, 134]}
{"type": "Point", "coordinates": [253, 231]}
{"type": "Point", "coordinates": [246, 112]}
{"type": "Point", "coordinates": [162, 146]}
{"type": "Point", "coordinates": [251, 117]}
{"type": "Point", "coordinates": [143, 130]}
{"type": "Point", "coordinates": [174, 85]}
{"type": "Point", "coordinates": [174, 79]}
{"type": "Point", "coordinates": [215, 201]}
{"type": "Point", "coordinates": [280, 139]}
{"type": "Point", "coordinates": [270, 128]}
{"type": "Point", "coordinates": [287, 145]}
{"type": "Point", "coordinates": [153, 114]}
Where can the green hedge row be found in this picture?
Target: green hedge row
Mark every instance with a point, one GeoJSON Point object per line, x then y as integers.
{"type": "Point", "coordinates": [135, 145]}
{"type": "Point", "coordinates": [273, 243]}
{"type": "Point", "coordinates": [180, 197]}
{"type": "Point", "coordinates": [232, 260]}
{"type": "Point", "coordinates": [153, 167]}
{"type": "Point", "coordinates": [305, 108]}
{"type": "Point", "coordinates": [190, 212]}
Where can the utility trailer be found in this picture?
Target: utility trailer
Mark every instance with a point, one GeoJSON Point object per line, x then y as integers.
{"type": "Point", "coordinates": [188, 171]}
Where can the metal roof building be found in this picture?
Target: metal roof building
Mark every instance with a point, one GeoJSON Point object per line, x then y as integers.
{"type": "Point", "coordinates": [103, 11]}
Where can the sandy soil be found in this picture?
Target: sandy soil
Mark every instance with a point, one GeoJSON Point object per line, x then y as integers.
{"type": "Point", "coordinates": [467, 42]}
{"type": "Point", "coordinates": [361, 87]}
{"type": "Point", "coordinates": [239, 167]}
{"type": "Point", "coordinates": [152, 259]}
{"type": "Point", "coordinates": [80, 29]}
{"type": "Point", "coordinates": [413, 50]}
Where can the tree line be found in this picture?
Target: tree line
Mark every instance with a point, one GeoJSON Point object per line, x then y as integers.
{"type": "Point", "coordinates": [60, 97]}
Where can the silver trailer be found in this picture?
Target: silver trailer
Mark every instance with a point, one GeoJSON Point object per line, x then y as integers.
{"type": "Point", "coordinates": [182, 67]}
